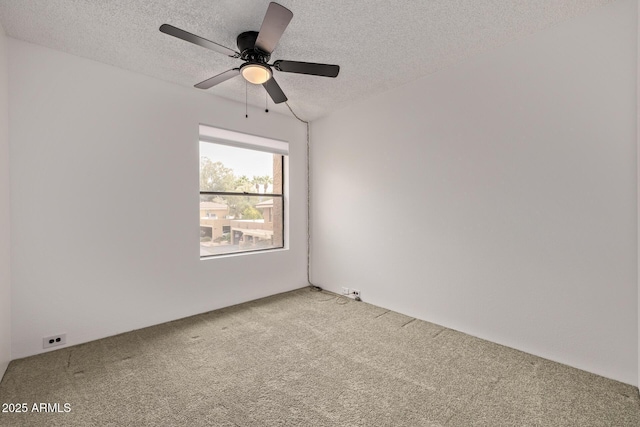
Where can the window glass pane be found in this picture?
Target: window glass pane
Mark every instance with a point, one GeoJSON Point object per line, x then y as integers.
{"type": "Point", "coordinates": [232, 169]}
{"type": "Point", "coordinates": [238, 223]}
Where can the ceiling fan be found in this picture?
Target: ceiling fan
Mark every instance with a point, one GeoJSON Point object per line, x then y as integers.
{"type": "Point", "coordinates": [255, 50]}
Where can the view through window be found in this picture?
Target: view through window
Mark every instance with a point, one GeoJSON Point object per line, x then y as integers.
{"type": "Point", "coordinates": [241, 195]}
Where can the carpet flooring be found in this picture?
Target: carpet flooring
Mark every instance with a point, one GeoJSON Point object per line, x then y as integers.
{"type": "Point", "coordinates": [306, 358]}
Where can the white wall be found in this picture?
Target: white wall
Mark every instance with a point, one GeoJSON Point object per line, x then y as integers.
{"type": "Point", "coordinates": [496, 197]}
{"type": "Point", "coordinates": [5, 225]}
{"type": "Point", "coordinates": [104, 201]}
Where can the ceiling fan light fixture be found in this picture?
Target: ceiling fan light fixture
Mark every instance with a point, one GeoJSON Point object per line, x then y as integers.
{"type": "Point", "coordinates": [256, 73]}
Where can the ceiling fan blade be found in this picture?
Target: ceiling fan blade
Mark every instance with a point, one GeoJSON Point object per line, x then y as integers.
{"type": "Point", "coordinates": [218, 79]}
{"type": "Point", "coordinates": [275, 22]}
{"type": "Point", "coordinates": [324, 70]}
{"type": "Point", "coordinates": [192, 38]}
{"type": "Point", "coordinates": [274, 91]}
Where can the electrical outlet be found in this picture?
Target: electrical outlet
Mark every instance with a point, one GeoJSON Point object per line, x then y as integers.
{"type": "Point", "coordinates": [345, 291]}
{"type": "Point", "coordinates": [355, 292]}
{"type": "Point", "coordinates": [54, 340]}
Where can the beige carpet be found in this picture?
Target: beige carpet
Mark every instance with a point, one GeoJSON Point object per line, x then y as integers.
{"type": "Point", "coordinates": [307, 358]}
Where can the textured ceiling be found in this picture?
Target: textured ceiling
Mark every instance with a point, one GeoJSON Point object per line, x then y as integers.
{"type": "Point", "coordinates": [378, 44]}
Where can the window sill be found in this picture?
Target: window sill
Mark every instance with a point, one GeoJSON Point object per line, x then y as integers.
{"type": "Point", "coordinates": [237, 254]}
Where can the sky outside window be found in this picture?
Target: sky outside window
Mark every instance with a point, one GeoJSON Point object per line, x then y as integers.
{"type": "Point", "coordinates": [243, 162]}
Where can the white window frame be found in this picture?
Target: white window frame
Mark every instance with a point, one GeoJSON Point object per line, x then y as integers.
{"type": "Point", "coordinates": [208, 133]}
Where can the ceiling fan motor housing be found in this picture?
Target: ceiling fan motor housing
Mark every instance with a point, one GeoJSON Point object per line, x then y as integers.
{"type": "Point", "coordinates": [247, 46]}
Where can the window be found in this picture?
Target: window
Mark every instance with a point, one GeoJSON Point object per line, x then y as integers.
{"type": "Point", "coordinates": [241, 192]}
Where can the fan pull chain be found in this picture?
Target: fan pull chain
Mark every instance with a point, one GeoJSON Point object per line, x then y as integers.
{"type": "Point", "coordinates": [266, 102]}
{"type": "Point", "coordinates": [246, 100]}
